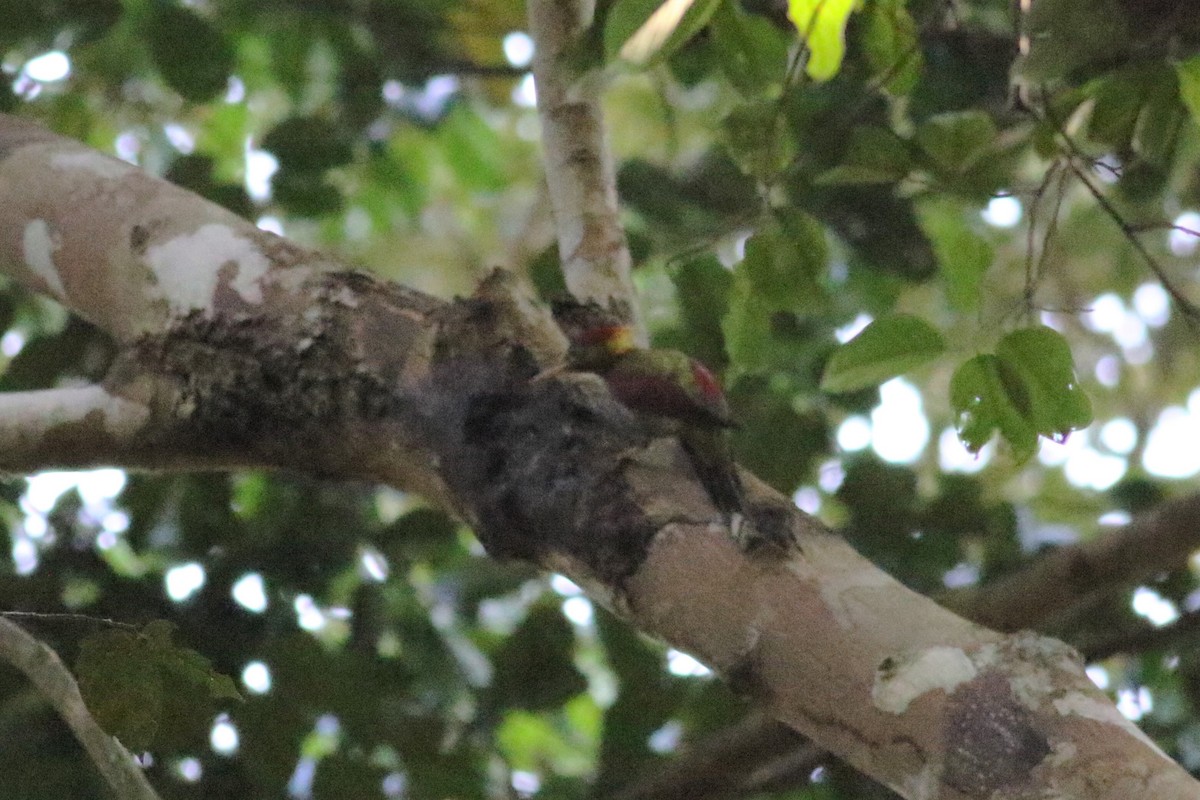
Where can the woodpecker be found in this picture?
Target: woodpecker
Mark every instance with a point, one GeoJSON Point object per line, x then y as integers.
{"type": "Point", "coordinates": [670, 386]}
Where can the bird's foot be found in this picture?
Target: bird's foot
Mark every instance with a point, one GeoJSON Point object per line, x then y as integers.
{"type": "Point", "coordinates": [765, 529]}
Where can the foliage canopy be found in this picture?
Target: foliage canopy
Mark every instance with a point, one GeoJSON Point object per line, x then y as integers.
{"type": "Point", "coordinates": [1006, 203]}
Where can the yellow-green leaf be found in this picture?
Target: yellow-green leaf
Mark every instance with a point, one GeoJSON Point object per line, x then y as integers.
{"type": "Point", "coordinates": [1189, 85]}
{"type": "Point", "coordinates": [822, 25]}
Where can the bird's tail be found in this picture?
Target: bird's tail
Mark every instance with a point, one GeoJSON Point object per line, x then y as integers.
{"type": "Point", "coordinates": [712, 458]}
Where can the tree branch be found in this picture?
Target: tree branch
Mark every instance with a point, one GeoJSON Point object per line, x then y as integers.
{"type": "Point", "coordinates": [579, 166]}
{"type": "Point", "coordinates": [1162, 539]}
{"type": "Point", "coordinates": [46, 671]}
{"type": "Point", "coordinates": [1142, 637]}
{"type": "Point", "coordinates": [1061, 580]}
{"type": "Point", "coordinates": [133, 252]}
{"type": "Point", "coordinates": [349, 376]}
{"type": "Point", "coordinates": [67, 428]}
{"type": "Point", "coordinates": [89, 426]}
{"type": "Point", "coordinates": [1074, 156]}
{"type": "Point", "coordinates": [721, 765]}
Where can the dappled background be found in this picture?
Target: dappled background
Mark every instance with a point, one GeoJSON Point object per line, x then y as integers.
{"type": "Point", "coordinates": [377, 651]}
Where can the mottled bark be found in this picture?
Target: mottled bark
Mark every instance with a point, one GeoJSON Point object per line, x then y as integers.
{"type": "Point", "coordinates": [579, 166]}
{"type": "Point", "coordinates": [257, 353]}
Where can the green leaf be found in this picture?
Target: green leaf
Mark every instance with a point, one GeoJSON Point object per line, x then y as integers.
{"type": "Point", "coordinates": [756, 139]}
{"type": "Point", "coordinates": [784, 261]}
{"type": "Point", "coordinates": [192, 55]}
{"type": "Point", "coordinates": [752, 52]}
{"type": "Point", "coordinates": [775, 440]}
{"type": "Point", "coordinates": [647, 699]}
{"type": "Point", "coordinates": [956, 141]}
{"type": "Point", "coordinates": [1118, 98]}
{"type": "Point", "coordinates": [822, 25]}
{"type": "Point", "coordinates": [643, 32]}
{"type": "Point", "coordinates": [963, 256]}
{"type": "Point", "coordinates": [423, 534]}
{"type": "Point", "coordinates": [121, 686]}
{"type": "Point", "coordinates": [747, 326]}
{"type": "Point", "coordinates": [779, 278]}
{"type": "Point", "coordinates": [1159, 122]}
{"type": "Point", "coordinates": [1069, 36]}
{"type": "Point", "coordinates": [983, 401]}
{"type": "Point", "coordinates": [1027, 389]}
{"type": "Point", "coordinates": [1189, 85]}
{"type": "Point", "coordinates": [874, 155]}
{"type": "Point", "coordinates": [195, 172]}
{"type": "Point", "coordinates": [1041, 358]}
{"type": "Point", "coordinates": [703, 286]}
{"type": "Point", "coordinates": [473, 150]}
{"type": "Point", "coordinates": [535, 667]}
{"type": "Point", "coordinates": [305, 194]}
{"type": "Point", "coordinates": [308, 144]}
{"type": "Point", "coordinates": [891, 45]}
{"type": "Point", "coordinates": [887, 347]}
{"type": "Point", "coordinates": [141, 687]}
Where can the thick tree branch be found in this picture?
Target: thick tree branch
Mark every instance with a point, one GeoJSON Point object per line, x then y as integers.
{"type": "Point", "coordinates": [74, 427]}
{"type": "Point", "coordinates": [70, 428]}
{"type": "Point", "coordinates": [52, 678]}
{"type": "Point", "coordinates": [579, 167]}
{"type": "Point", "coordinates": [1141, 637]}
{"type": "Point", "coordinates": [721, 765]}
{"type": "Point", "coordinates": [1061, 580]}
{"type": "Point", "coordinates": [756, 751]}
{"type": "Point", "coordinates": [124, 250]}
{"type": "Point", "coordinates": [89, 426]}
{"type": "Point", "coordinates": [342, 374]}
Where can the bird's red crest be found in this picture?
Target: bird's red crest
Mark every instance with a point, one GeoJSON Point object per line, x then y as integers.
{"type": "Point", "coordinates": [706, 382]}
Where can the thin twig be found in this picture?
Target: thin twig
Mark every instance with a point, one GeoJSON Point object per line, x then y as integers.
{"type": "Point", "coordinates": [53, 617]}
{"type": "Point", "coordinates": [47, 672]}
{"type": "Point", "coordinates": [1035, 205]}
{"type": "Point", "coordinates": [1189, 310]}
{"type": "Point", "coordinates": [1145, 227]}
{"type": "Point", "coordinates": [1052, 226]}
{"type": "Point", "coordinates": [506, 71]}
{"type": "Point", "coordinates": [1074, 157]}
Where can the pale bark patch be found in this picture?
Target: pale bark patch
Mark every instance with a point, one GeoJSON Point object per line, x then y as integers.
{"type": "Point", "coordinates": [901, 680]}
{"type": "Point", "coordinates": [189, 267]}
{"type": "Point", "coordinates": [90, 161]}
{"type": "Point", "coordinates": [1081, 705]}
{"type": "Point", "coordinates": [850, 593]}
{"type": "Point", "coordinates": [39, 244]}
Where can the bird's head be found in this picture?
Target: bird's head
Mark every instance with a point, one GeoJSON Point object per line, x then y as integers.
{"type": "Point", "coordinates": [616, 339]}
{"type": "Point", "coordinates": [598, 346]}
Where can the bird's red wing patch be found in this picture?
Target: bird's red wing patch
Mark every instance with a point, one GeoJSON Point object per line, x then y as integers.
{"type": "Point", "coordinates": [650, 394]}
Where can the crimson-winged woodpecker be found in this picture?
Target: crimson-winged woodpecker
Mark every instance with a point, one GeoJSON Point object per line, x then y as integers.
{"type": "Point", "coordinates": [669, 385]}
